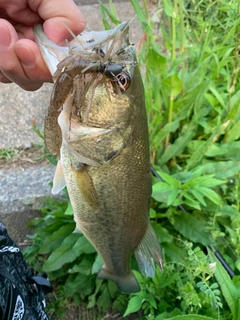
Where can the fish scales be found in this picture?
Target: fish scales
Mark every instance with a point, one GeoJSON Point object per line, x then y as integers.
{"type": "Point", "coordinates": [104, 153]}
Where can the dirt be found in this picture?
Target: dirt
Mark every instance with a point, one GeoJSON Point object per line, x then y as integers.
{"type": "Point", "coordinates": [22, 158]}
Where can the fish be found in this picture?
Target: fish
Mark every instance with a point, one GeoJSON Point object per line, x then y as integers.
{"type": "Point", "coordinates": [96, 124]}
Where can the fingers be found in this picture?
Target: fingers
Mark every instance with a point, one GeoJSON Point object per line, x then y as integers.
{"type": "Point", "coordinates": [32, 62]}
{"type": "Point", "coordinates": [20, 59]}
{"type": "Point", "coordinates": [57, 13]}
{"type": "Point", "coordinates": [11, 66]}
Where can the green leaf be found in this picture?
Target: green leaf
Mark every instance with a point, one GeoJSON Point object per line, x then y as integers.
{"type": "Point", "coordinates": [172, 197]}
{"type": "Point", "coordinates": [162, 233]}
{"type": "Point", "coordinates": [210, 194]}
{"type": "Point", "coordinates": [169, 179]}
{"type": "Point", "coordinates": [161, 191]}
{"type": "Point", "coordinates": [152, 302]}
{"type": "Point", "coordinates": [98, 263]}
{"type": "Point", "coordinates": [172, 84]}
{"type": "Point", "coordinates": [190, 317]}
{"type": "Point", "coordinates": [177, 147]}
{"type": "Point", "coordinates": [221, 169]}
{"type": "Point", "coordinates": [190, 201]}
{"type": "Point", "coordinates": [80, 283]}
{"type": "Point", "coordinates": [156, 61]}
{"type": "Point", "coordinates": [168, 8]}
{"type": "Point", "coordinates": [191, 228]}
{"type": "Point", "coordinates": [84, 267]}
{"type": "Point", "coordinates": [140, 13]}
{"type": "Point", "coordinates": [83, 246]}
{"type": "Point", "coordinates": [105, 12]}
{"type": "Point", "coordinates": [69, 210]}
{"type": "Point", "coordinates": [198, 196]}
{"type": "Point", "coordinates": [168, 128]}
{"type": "Point", "coordinates": [54, 240]}
{"type": "Point", "coordinates": [62, 255]}
{"type": "Point", "coordinates": [228, 289]}
{"type": "Point", "coordinates": [134, 305]}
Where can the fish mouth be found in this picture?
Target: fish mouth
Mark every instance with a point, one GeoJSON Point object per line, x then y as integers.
{"type": "Point", "coordinates": [86, 41]}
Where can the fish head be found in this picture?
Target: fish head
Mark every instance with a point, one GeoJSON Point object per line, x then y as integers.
{"type": "Point", "coordinates": [97, 84]}
{"type": "Point", "coordinates": [99, 66]}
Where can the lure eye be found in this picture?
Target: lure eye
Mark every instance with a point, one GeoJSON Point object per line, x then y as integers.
{"type": "Point", "coordinates": [123, 80]}
{"type": "Point", "coordinates": [113, 70]}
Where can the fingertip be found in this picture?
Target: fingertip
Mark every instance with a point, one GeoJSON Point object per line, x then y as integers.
{"type": "Point", "coordinates": [56, 29]}
{"type": "Point", "coordinates": [8, 35]}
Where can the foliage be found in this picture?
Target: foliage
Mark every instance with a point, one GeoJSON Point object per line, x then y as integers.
{"type": "Point", "coordinates": [192, 89]}
{"type": "Point", "coordinates": [8, 153]}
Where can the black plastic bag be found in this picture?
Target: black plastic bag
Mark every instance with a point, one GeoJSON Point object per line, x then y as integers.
{"type": "Point", "coordinates": [21, 290]}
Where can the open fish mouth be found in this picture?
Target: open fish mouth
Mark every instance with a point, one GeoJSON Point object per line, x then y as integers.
{"type": "Point", "coordinates": [85, 42]}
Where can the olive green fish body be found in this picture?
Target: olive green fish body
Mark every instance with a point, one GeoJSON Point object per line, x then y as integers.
{"type": "Point", "coordinates": [104, 156]}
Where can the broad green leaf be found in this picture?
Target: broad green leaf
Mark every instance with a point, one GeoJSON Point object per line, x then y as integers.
{"type": "Point", "coordinates": [198, 196]}
{"type": "Point", "coordinates": [98, 263]}
{"type": "Point", "coordinates": [207, 181]}
{"type": "Point", "coordinates": [83, 246]}
{"type": "Point", "coordinates": [234, 132]}
{"type": "Point", "coordinates": [190, 317]}
{"type": "Point", "coordinates": [169, 179]}
{"type": "Point", "coordinates": [134, 305]}
{"type": "Point", "coordinates": [54, 240]}
{"type": "Point", "coordinates": [168, 8]}
{"type": "Point", "coordinates": [84, 267]}
{"type": "Point", "coordinates": [221, 169]}
{"type": "Point", "coordinates": [228, 289]}
{"type": "Point", "coordinates": [217, 95]}
{"type": "Point", "coordinates": [140, 13]}
{"type": "Point", "coordinates": [172, 197]}
{"type": "Point", "coordinates": [192, 228]}
{"type": "Point", "coordinates": [69, 210]}
{"type": "Point", "coordinates": [210, 194]}
{"type": "Point", "coordinates": [162, 233]}
{"type": "Point", "coordinates": [82, 284]}
{"type": "Point", "coordinates": [172, 85]}
{"type": "Point", "coordinates": [156, 61]}
{"type": "Point", "coordinates": [161, 191]}
{"type": "Point", "coordinates": [168, 128]}
{"type": "Point", "coordinates": [177, 147]}
{"type": "Point", "coordinates": [174, 252]}
{"type": "Point", "coordinates": [152, 302]}
{"type": "Point", "coordinates": [190, 201]}
{"type": "Point", "coordinates": [62, 255]}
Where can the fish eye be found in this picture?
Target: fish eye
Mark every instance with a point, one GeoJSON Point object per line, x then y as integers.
{"type": "Point", "coordinates": [123, 80]}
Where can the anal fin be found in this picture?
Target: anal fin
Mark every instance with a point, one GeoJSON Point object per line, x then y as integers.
{"type": "Point", "coordinates": [147, 252]}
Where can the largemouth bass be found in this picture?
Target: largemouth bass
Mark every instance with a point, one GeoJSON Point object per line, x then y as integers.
{"type": "Point", "coordinates": [97, 125]}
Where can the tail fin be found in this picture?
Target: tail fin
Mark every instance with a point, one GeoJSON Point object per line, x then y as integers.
{"type": "Point", "coordinates": [148, 251]}
{"type": "Point", "coordinates": [126, 284]}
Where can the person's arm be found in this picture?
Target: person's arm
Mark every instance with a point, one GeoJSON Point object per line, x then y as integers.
{"type": "Point", "coordinates": [20, 58]}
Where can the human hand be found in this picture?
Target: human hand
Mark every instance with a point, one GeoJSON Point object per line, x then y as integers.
{"type": "Point", "coordinates": [20, 58]}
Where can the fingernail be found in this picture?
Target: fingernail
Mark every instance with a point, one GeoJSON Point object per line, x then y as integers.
{"type": "Point", "coordinates": [5, 38]}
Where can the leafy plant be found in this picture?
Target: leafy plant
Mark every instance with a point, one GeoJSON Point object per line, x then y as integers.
{"type": "Point", "coordinates": [192, 93]}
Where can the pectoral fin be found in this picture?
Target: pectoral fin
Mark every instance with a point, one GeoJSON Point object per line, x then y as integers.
{"type": "Point", "coordinates": [85, 185]}
{"type": "Point", "coordinates": [58, 180]}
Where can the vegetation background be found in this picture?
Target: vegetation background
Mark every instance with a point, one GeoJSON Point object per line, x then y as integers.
{"type": "Point", "coordinates": [192, 88]}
